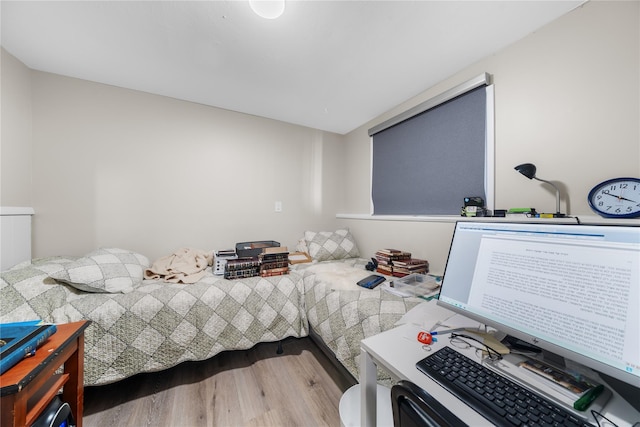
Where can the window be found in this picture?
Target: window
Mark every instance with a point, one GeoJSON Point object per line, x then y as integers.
{"type": "Point", "coordinates": [427, 159]}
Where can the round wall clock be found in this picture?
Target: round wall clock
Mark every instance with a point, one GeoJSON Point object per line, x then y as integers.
{"type": "Point", "coordinates": [616, 198]}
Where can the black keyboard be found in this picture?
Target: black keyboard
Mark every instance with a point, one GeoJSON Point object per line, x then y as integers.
{"type": "Point", "coordinates": [495, 397]}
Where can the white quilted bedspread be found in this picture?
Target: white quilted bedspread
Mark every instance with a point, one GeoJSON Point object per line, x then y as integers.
{"type": "Point", "coordinates": [158, 325]}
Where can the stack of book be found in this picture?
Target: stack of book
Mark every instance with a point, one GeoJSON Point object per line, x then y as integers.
{"type": "Point", "coordinates": [274, 261]}
{"type": "Point", "coordinates": [242, 267]}
{"type": "Point", "coordinates": [394, 262]}
{"type": "Point", "coordinates": [404, 267]}
{"type": "Point", "coordinates": [387, 257]}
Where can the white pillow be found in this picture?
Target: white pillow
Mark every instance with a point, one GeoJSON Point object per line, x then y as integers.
{"type": "Point", "coordinates": [327, 245]}
{"type": "Point", "coordinates": [106, 270]}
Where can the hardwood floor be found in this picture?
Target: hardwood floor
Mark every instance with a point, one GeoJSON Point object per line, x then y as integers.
{"type": "Point", "coordinates": [256, 387]}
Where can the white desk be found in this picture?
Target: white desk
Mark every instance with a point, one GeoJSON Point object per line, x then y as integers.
{"type": "Point", "coordinates": [398, 355]}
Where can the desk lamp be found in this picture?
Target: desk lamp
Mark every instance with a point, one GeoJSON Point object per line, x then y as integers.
{"type": "Point", "coordinates": [529, 170]}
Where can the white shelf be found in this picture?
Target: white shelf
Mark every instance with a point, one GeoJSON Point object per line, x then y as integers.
{"type": "Point", "coordinates": [583, 219]}
{"type": "Point", "coordinates": [11, 211]}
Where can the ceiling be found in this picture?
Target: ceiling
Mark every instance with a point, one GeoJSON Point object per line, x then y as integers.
{"type": "Point", "coordinates": [329, 65]}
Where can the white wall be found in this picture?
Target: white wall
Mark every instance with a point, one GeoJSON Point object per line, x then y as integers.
{"type": "Point", "coordinates": [15, 136]}
{"type": "Point", "coordinates": [567, 100]}
{"type": "Point", "coordinates": [116, 167]}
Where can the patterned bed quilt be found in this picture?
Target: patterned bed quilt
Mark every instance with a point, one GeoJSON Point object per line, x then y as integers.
{"type": "Point", "coordinates": [158, 324]}
{"type": "Point", "coordinates": [343, 313]}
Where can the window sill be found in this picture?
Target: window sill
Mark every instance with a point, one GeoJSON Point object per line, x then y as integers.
{"type": "Point", "coordinates": [584, 219]}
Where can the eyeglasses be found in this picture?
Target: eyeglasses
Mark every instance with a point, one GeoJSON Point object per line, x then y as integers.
{"type": "Point", "coordinates": [457, 340]}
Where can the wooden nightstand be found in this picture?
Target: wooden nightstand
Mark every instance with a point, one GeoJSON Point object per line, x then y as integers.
{"type": "Point", "coordinates": [28, 387]}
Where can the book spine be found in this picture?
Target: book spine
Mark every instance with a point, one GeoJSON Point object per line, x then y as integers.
{"type": "Point", "coordinates": [27, 348]}
{"type": "Point", "coordinates": [390, 259]}
{"type": "Point", "coordinates": [269, 273]}
{"type": "Point", "coordinates": [388, 272]}
{"type": "Point", "coordinates": [242, 263]}
{"type": "Point", "coordinates": [273, 257]}
{"type": "Point", "coordinates": [276, 264]}
{"type": "Point", "coordinates": [398, 274]}
{"type": "Point", "coordinates": [18, 336]}
{"type": "Point", "coordinates": [241, 273]}
{"type": "Point", "coordinates": [7, 326]}
{"type": "Point", "coordinates": [273, 271]}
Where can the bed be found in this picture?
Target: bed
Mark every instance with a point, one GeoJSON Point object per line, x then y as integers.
{"type": "Point", "coordinates": [156, 325]}
{"type": "Point", "coordinates": [341, 313]}
{"type": "Point", "coordinates": [144, 325]}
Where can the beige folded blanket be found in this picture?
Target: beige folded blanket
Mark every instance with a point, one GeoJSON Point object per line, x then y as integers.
{"type": "Point", "coordinates": [183, 266]}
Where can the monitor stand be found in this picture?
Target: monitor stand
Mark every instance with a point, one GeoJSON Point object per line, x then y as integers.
{"type": "Point", "coordinates": [626, 391]}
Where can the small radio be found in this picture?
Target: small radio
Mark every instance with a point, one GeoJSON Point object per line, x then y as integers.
{"type": "Point", "coordinates": [473, 206]}
{"type": "Point", "coordinates": [220, 260]}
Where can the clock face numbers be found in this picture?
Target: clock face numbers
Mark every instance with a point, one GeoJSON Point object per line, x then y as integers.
{"type": "Point", "coordinates": [617, 198]}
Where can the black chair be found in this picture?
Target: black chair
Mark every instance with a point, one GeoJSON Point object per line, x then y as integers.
{"type": "Point", "coordinates": [414, 407]}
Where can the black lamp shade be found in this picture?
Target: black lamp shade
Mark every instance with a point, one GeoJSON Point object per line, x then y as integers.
{"type": "Point", "coordinates": [527, 169]}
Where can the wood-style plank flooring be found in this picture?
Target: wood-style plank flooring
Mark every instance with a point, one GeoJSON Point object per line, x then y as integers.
{"type": "Point", "coordinates": [256, 387]}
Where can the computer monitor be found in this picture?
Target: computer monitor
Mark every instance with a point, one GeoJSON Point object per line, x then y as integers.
{"type": "Point", "coordinates": [572, 290]}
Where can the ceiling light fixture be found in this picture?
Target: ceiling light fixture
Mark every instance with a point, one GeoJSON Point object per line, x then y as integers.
{"type": "Point", "coordinates": [268, 9]}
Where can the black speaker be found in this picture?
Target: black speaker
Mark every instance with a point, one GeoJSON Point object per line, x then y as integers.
{"type": "Point", "coordinates": [372, 265]}
{"type": "Point", "coordinates": [56, 414]}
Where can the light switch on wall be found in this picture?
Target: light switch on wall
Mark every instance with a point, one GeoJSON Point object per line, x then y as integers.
{"type": "Point", "coordinates": [278, 207]}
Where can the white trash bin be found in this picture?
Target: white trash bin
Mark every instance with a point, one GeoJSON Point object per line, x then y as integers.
{"type": "Point", "coordinates": [350, 407]}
